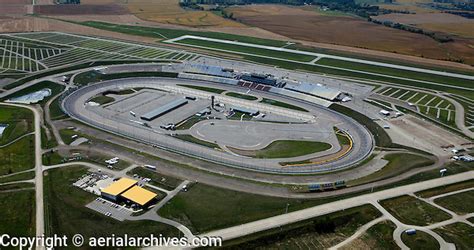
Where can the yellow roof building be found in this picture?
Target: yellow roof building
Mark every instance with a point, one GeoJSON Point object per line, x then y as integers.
{"type": "Point", "coordinates": [119, 186]}
{"type": "Point", "coordinates": [139, 195]}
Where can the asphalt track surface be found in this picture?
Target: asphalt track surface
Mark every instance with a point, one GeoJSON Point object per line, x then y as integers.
{"type": "Point", "coordinates": [74, 105]}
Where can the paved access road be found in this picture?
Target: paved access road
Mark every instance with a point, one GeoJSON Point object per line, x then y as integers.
{"type": "Point", "coordinates": [284, 219]}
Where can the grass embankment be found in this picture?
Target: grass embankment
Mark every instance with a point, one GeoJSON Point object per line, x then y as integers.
{"type": "Point", "coordinates": [282, 104]}
{"type": "Point", "coordinates": [445, 189]}
{"type": "Point", "coordinates": [157, 179]}
{"type": "Point", "coordinates": [420, 240]}
{"type": "Point", "coordinates": [460, 203]}
{"type": "Point", "coordinates": [17, 216]}
{"type": "Point", "coordinates": [68, 68]}
{"type": "Point", "coordinates": [398, 163]}
{"type": "Point", "coordinates": [66, 214]}
{"type": "Point", "coordinates": [413, 211]}
{"type": "Point", "coordinates": [242, 96]}
{"type": "Point", "coordinates": [19, 121]}
{"type": "Point", "coordinates": [190, 138]}
{"type": "Point", "coordinates": [382, 139]}
{"type": "Point", "coordinates": [458, 233]}
{"type": "Point", "coordinates": [102, 99]}
{"type": "Point", "coordinates": [207, 89]}
{"type": "Point", "coordinates": [93, 76]}
{"type": "Point", "coordinates": [188, 123]}
{"type": "Point", "coordinates": [321, 232]}
{"type": "Point", "coordinates": [54, 87]}
{"type": "Point", "coordinates": [285, 149]}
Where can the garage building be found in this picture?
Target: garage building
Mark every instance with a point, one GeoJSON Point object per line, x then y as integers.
{"type": "Point", "coordinates": [164, 109]}
{"type": "Point", "coordinates": [113, 191]}
{"type": "Point", "coordinates": [138, 195]}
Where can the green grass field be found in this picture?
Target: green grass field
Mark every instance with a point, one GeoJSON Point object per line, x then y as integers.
{"type": "Point", "coordinates": [317, 233]}
{"type": "Point", "coordinates": [246, 49]}
{"type": "Point", "coordinates": [89, 77]}
{"type": "Point", "coordinates": [379, 236]}
{"type": "Point", "coordinates": [17, 157]}
{"type": "Point", "coordinates": [192, 139]}
{"type": "Point", "coordinates": [66, 213]}
{"type": "Point", "coordinates": [445, 189]}
{"type": "Point", "coordinates": [242, 96]}
{"type": "Point", "coordinates": [380, 135]}
{"type": "Point", "coordinates": [17, 216]}
{"type": "Point", "coordinates": [396, 72]}
{"type": "Point", "coordinates": [19, 121]}
{"type": "Point", "coordinates": [102, 99]}
{"type": "Point", "coordinates": [458, 233]}
{"type": "Point", "coordinates": [285, 149]}
{"type": "Point", "coordinates": [412, 211]}
{"type": "Point", "coordinates": [18, 177]}
{"type": "Point", "coordinates": [461, 203]}
{"type": "Point", "coordinates": [282, 104]}
{"type": "Point", "coordinates": [420, 240]}
{"type": "Point", "coordinates": [398, 163]}
{"type": "Point", "coordinates": [55, 89]}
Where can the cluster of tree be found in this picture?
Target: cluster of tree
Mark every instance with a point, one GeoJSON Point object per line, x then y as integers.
{"type": "Point", "coordinates": [350, 6]}
{"type": "Point", "coordinates": [190, 5]}
{"type": "Point", "coordinates": [442, 38]}
{"type": "Point", "coordinates": [68, 1]}
{"type": "Point", "coordinates": [468, 15]}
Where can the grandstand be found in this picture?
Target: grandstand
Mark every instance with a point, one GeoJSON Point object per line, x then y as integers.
{"type": "Point", "coordinates": [259, 79]}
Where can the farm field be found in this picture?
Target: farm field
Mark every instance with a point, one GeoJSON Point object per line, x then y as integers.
{"type": "Point", "coordinates": [169, 12]}
{"type": "Point", "coordinates": [295, 23]}
{"type": "Point", "coordinates": [441, 22]}
{"type": "Point", "coordinates": [426, 103]}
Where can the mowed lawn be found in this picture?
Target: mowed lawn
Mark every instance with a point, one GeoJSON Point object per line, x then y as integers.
{"type": "Point", "coordinates": [19, 120]}
{"type": "Point", "coordinates": [413, 211]}
{"type": "Point", "coordinates": [66, 213]}
{"type": "Point", "coordinates": [286, 149]}
{"type": "Point", "coordinates": [461, 203]}
{"type": "Point", "coordinates": [204, 208]}
{"type": "Point", "coordinates": [17, 213]}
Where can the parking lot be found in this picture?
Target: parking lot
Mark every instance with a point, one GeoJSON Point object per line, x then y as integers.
{"type": "Point", "coordinates": [109, 209]}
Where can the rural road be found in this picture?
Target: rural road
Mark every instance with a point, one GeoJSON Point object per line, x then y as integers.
{"type": "Point", "coordinates": [39, 201]}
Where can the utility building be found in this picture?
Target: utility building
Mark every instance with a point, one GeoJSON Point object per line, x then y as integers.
{"type": "Point", "coordinates": [164, 109]}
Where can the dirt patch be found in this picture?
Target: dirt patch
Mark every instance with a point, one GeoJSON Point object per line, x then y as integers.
{"type": "Point", "coordinates": [310, 26]}
{"type": "Point", "coordinates": [74, 9]}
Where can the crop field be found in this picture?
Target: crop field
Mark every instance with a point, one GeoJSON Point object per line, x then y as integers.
{"type": "Point", "coordinates": [308, 25]}
{"type": "Point", "coordinates": [169, 11]}
{"type": "Point", "coordinates": [427, 104]}
{"type": "Point", "coordinates": [32, 52]}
